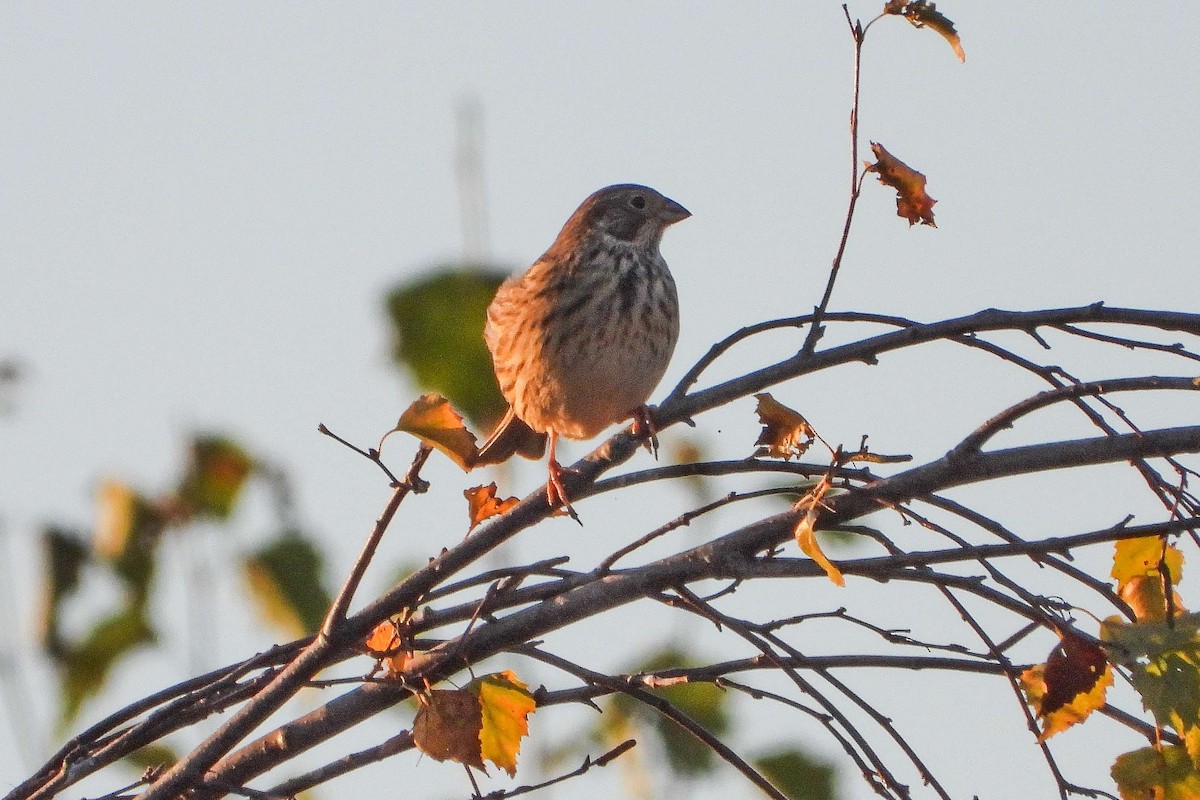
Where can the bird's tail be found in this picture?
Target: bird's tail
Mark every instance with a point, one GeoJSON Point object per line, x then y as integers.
{"type": "Point", "coordinates": [511, 437]}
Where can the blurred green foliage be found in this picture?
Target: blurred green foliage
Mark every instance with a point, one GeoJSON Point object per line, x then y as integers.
{"type": "Point", "coordinates": [153, 756]}
{"type": "Point", "coordinates": [124, 546]}
{"type": "Point", "coordinates": [797, 774]}
{"type": "Point", "coordinates": [285, 579]}
{"type": "Point", "coordinates": [702, 702]}
{"type": "Point", "coordinates": [85, 666]}
{"type": "Point", "coordinates": [216, 471]}
{"type": "Point", "coordinates": [65, 554]}
{"type": "Point", "coordinates": [437, 326]}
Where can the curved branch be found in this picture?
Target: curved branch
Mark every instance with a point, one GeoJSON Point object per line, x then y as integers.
{"type": "Point", "coordinates": [869, 350]}
{"type": "Point", "coordinates": [1008, 416]}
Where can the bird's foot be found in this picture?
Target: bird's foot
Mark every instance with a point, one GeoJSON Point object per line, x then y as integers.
{"type": "Point", "coordinates": [556, 495]}
{"type": "Point", "coordinates": [645, 428]}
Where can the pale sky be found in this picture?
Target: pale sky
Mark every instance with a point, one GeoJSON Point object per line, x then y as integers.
{"type": "Point", "coordinates": [202, 205]}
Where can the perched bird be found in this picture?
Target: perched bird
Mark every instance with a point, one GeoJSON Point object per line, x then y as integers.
{"type": "Point", "coordinates": [581, 339]}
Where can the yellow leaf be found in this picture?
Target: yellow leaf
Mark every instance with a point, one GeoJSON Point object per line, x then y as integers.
{"type": "Point", "coordinates": [506, 705]}
{"type": "Point", "coordinates": [785, 434]}
{"type": "Point", "coordinates": [116, 516]}
{"type": "Point", "coordinates": [482, 503]}
{"type": "Point", "coordinates": [912, 202]}
{"type": "Point", "coordinates": [434, 421]}
{"type": "Point", "coordinates": [1135, 557]}
{"type": "Point", "coordinates": [806, 534]}
{"type": "Point", "coordinates": [923, 14]}
{"type": "Point", "coordinates": [1191, 743]}
{"type": "Point", "coordinates": [447, 727]}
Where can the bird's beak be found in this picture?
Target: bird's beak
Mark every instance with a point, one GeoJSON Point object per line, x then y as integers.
{"type": "Point", "coordinates": [671, 212]}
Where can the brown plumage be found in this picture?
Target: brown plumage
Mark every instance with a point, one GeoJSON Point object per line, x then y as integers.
{"type": "Point", "coordinates": [581, 339]}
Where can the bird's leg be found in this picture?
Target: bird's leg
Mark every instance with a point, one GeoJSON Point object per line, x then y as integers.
{"type": "Point", "coordinates": [556, 495]}
{"type": "Point", "coordinates": [645, 428]}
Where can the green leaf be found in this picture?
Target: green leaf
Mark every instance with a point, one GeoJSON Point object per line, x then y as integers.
{"type": "Point", "coordinates": [285, 578]}
{"type": "Point", "coordinates": [1170, 689]}
{"type": "Point", "coordinates": [1164, 663]}
{"type": "Point", "coordinates": [1148, 773]}
{"type": "Point", "coordinates": [704, 703]}
{"type": "Point", "coordinates": [797, 774]}
{"type": "Point", "coordinates": [85, 668]}
{"type": "Point", "coordinates": [437, 322]}
{"type": "Point", "coordinates": [216, 473]}
{"type": "Point", "coordinates": [1141, 642]}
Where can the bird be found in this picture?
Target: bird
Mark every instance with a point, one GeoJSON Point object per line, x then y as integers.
{"type": "Point", "coordinates": [581, 339]}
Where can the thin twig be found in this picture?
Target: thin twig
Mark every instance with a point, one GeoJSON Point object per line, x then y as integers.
{"type": "Point", "coordinates": [683, 520]}
{"type": "Point", "coordinates": [602, 761]}
{"type": "Point", "coordinates": [666, 709]}
{"type": "Point", "coordinates": [370, 454]}
{"type": "Point", "coordinates": [768, 642]}
{"type": "Point", "coordinates": [858, 33]}
{"type": "Point", "coordinates": [1008, 416]}
{"type": "Point", "coordinates": [412, 483]}
{"type": "Point", "coordinates": [399, 743]}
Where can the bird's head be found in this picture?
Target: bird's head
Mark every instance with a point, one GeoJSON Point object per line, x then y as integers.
{"type": "Point", "coordinates": [626, 212]}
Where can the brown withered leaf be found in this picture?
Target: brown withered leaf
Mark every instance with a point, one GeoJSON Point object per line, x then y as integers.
{"type": "Point", "coordinates": [912, 202]}
{"type": "Point", "coordinates": [447, 727]}
{"type": "Point", "coordinates": [482, 503]}
{"type": "Point", "coordinates": [785, 434]}
{"type": "Point", "coordinates": [434, 421]}
{"type": "Point", "coordinates": [923, 14]}
{"type": "Point", "coordinates": [484, 721]}
{"type": "Point", "coordinates": [1069, 686]}
{"type": "Point", "coordinates": [1073, 667]}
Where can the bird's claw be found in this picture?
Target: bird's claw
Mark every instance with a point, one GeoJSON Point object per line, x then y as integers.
{"type": "Point", "coordinates": [645, 428]}
{"type": "Point", "coordinates": [556, 495]}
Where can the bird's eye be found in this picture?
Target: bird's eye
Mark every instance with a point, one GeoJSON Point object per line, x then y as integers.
{"type": "Point", "coordinates": [638, 201]}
